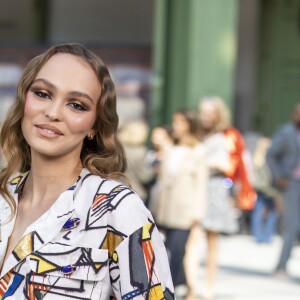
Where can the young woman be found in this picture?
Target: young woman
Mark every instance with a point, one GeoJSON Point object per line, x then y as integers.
{"type": "Point", "coordinates": [182, 192]}
{"type": "Point", "coordinates": [68, 229]}
{"type": "Point", "coordinates": [219, 216]}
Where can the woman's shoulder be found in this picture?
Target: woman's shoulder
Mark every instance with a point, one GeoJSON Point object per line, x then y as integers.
{"type": "Point", "coordinates": [122, 207]}
{"type": "Point", "coordinates": [114, 190]}
{"type": "Point", "coordinates": [104, 185]}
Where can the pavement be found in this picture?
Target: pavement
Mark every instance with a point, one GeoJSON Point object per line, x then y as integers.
{"type": "Point", "coordinates": [245, 271]}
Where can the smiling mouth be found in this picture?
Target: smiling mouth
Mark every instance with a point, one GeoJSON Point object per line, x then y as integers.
{"type": "Point", "coordinates": [49, 131]}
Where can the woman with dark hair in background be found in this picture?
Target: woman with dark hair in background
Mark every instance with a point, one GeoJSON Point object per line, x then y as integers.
{"type": "Point", "coordinates": [69, 228]}
{"type": "Point", "coordinates": [182, 189]}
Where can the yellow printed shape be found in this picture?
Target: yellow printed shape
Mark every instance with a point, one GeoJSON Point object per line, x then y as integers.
{"type": "Point", "coordinates": [111, 242]}
{"type": "Point", "coordinates": [43, 265]}
{"type": "Point", "coordinates": [98, 266]}
{"type": "Point", "coordinates": [146, 231]}
{"type": "Point", "coordinates": [115, 257]}
{"type": "Point", "coordinates": [16, 180]}
{"type": "Point", "coordinates": [156, 293]}
{"type": "Point", "coordinates": [24, 247]}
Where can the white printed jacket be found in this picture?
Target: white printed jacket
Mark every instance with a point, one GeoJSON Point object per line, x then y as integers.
{"type": "Point", "coordinates": [97, 241]}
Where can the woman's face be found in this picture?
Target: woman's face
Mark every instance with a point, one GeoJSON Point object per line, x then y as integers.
{"type": "Point", "coordinates": [180, 125]}
{"type": "Point", "coordinates": [159, 137]}
{"type": "Point", "coordinates": [60, 106]}
{"type": "Point", "coordinates": [207, 115]}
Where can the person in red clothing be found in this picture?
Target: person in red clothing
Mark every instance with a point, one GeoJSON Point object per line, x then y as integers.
{"type": "Point", "coordinates": [239, 171]}
{"type": "Point", "coordinates": [225, 157]}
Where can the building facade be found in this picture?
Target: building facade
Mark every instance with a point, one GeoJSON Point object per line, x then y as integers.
{"type": "Point", "coordinates": [175, 51]}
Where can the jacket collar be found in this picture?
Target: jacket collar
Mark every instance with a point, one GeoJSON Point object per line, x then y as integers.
{"type": "Point", "coordinates": [44, 229]}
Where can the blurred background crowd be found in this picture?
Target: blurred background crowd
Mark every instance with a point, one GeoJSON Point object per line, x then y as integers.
{"type": "Point", "coordinates": [200, 180]}
{"type": "Point", "coordinates": [203, 89]}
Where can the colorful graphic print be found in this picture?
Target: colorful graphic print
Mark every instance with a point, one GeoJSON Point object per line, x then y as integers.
{"type": "Point", "coordinates": [112, 250]}
{"type": "Point", "coordinates": [104, 203]}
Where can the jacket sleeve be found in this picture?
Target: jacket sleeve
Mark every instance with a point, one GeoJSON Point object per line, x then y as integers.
{"type": "Point", "coordinates": [139, 267]}
{"type": "Point", "coordinates": [138, 262]}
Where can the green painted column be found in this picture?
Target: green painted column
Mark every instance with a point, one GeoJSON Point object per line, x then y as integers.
{"type": "Point", "coordinates": [279, 64]}
{"type": "Point", "coordinates": [194, 53]}
{"type": "Point", "coordinates": [159, 61]}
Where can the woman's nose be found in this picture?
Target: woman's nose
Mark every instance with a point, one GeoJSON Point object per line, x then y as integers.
{"type": "Point", "coordinates": [54, 111]}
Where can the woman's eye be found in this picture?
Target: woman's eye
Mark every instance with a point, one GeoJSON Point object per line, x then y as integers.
{"type": "Point", "coordinates": [42, 94]}
{"type": "Point", "coordinates": [77, 106]}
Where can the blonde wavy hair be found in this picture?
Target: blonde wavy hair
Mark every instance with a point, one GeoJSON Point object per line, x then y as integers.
{"type": "Point", "coordinates": [103, 155]}
{"type": "Point", "coordinates": [223, 116]}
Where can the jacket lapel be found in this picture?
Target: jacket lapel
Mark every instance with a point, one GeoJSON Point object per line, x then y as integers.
{"type": "Point", "coordinates": [5, 233]}
{"type": "Point", "coordinates": [41, 231]}
{"type": "Point", "coordinates": [5, 211]}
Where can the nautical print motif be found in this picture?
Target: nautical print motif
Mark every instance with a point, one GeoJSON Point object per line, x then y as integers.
{"type": "Point", "coordinates": [97, 241]}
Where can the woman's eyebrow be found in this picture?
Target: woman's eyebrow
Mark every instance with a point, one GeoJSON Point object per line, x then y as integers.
{"type": "Point", "coordinates": [80, 94]}
{"type": "Point", "coordinates": [46, 82]}
{"type": "Point", "coordinates": [73, 93]}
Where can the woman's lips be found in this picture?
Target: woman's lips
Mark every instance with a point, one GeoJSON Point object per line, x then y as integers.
{"type": "Point", "coordinates": [49, 130]}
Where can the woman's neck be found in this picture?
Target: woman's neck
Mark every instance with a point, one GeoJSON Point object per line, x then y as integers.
{"type": "Point", "coordinates": [49, 178]}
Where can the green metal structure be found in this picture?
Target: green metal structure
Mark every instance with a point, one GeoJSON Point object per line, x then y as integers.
{"type": "Point", "coordinates": [279, 65]}
{"type": "Point", "coordinates": [194, 54]}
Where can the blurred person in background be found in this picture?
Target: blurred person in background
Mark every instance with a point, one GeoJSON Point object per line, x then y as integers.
{"type": "Point", "coordinates": [133, 136]}
{"type": "Point", "coordinates": [265, 212]}
{"type": "Point", "coordinates": [161, 139]}
{"type": "Point", "coordinates": [220, 215]}
{"type": "Point", "coordinates": [241, 174]}
{"type": "Point", "coordinates": [283, 158]}
{"type": "Point", "coordinates": [182, 191]}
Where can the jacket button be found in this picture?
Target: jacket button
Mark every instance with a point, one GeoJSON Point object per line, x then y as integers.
{"type": "Point", "coordinates": [72, 223]}
{"type": "Point", "coordinates": [68, 270]}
